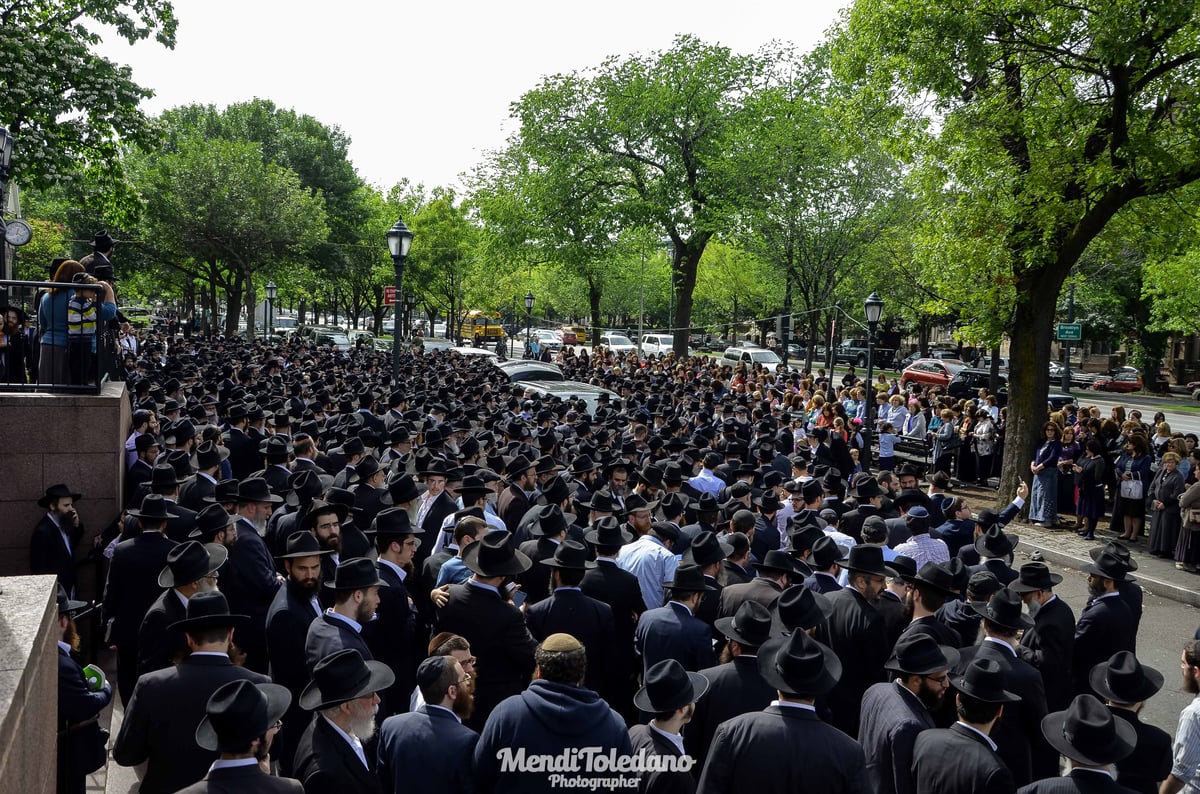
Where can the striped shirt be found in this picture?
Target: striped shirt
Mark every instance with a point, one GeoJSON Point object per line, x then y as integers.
{"type": "Point", "coordinates": [923, 548]}
{"type": "Point", "coordinates": [1186, 763]}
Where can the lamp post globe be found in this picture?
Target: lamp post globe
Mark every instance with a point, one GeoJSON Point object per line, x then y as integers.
{"type": "Point", "coordinates": [528, 323]}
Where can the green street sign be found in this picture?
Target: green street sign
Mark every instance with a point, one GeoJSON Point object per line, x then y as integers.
{"type": "Point", "coordinates": [1070, 332]}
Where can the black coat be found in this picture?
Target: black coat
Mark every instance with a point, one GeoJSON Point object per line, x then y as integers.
{"type": "Point", "coordinates": [766, 537]}
{"type": "Point", "coordinates": [426, 750]}
{"type": "Point", "coordinates": [732, 573]}
{"type": "Point", "coordinates": [161, 719]}
{"type": "Point", "coordinates": [391, 640]}
{"type": "Point", "coordinates": [1080, 781]}
{"type": "Point", "coordinates": [965, 621]}
{"type": "Point", "coordinates": [943, 634]}
{"type": "Point", "coordinates": [958, 761]}
{"type": "Point", "coordinates": [288, 620]}
{"type": "Point", "coordinates": [852, 520]}
{"type": "Point", "coordinates": [1105, 627]}
{"type": "Point", "coordinates": [76, 703]}
{"type": "Point", "coordinates": [891, 606]}
{"type": "Point", "coordinates": [783, 750]}
{"type": "Point", "coordinates": [243, 780]}
{"type": "Point", "coordinates": [328, 635]}
{"type": "Point", "coordinates": [764, 591]}
{"type": "Point", "coordinates": [1151, 760]}
{"type": "Point", "coordinates": [891, 719]}
{"type": "Point", "coordinates": [734, 688]}
{"type": "Point", "coordinates": [669, 632]}
{"type": "Point", "coordinates": [536, 581]}
{"type": "Point", "coordinates": [133, 583]}
{"type": "Point", "coordinates": [180, 527]}
{"type": "Point", "coordinates": [49, 554]}
{"type": "Point", "coordinates": [1048, 646]}
{"type": "Point", "coordinates": [1000, 568]}
{"type": "Point", "coordinates": [569, 611]}
{"type": "Point", "coordinates": [822, 584]}
{"type": "Point", "coordinates": [642, 737]}
{"type": "Point", "coordinates": [621, 591]}
{"type": "Point", "coordinates": [159, 646]}
{"type": "Point", "coordinates": [499, 639]}
{"type": "Point", "coordinates": [243, 454]}
{"type": "Point", "coordinates": [510, 507]}
{"type": "Point", "coordinates": [249, 582]}
{"type": "Point", "coordinates": [858, 635]}
{"type": "Point", "coordinates": [1018, 732]}
{"type": "Point", "coordinates": [192, 493]}
{"type": "Point", "coordinates": [325, 762]}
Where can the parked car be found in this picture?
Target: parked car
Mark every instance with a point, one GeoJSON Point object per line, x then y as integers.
{"type": "Point", "coordinates": [619, 344]}
{"type": "Point", "coordinates": [985, 362]}
{"type": "Point", "coordinates": [568, 335]}
{"type": "Point", "coordinates": [548, 339]}
{"type": "Point", "coordinates": [659, 344]}
{"type": "Point", "coordinates": [749, 356]}
{"type": "Point", "coordinates": [1120, 382]}
{"type": "Point", "coordinates": [931, 372]}
{"type": "Point", "coordinates": [579, 331]}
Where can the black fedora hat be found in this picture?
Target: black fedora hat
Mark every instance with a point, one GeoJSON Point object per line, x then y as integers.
{"type": "Point", "coordinates": [473, 486]}
{"type": "Point", "coordinates": [365, 469]}
{"type": "Point", "coordinates": [910, 497]}
{"type": "Point", "coordinates": [551, 522]}
{"type": "Point", "coordinates": [995, 542]}
{"type": "Point", "coordinates": [207, 611]}
{"type": "Point", "coordinates": [163, 476]}
{"type": "Point", "coordinates": [934, 575]}
{"type": "Point", "coordinates": [825, 552]}
{"type": "Point", "coordinates": [56, 492]}
{"type": "Point", "coordinates": [1119, 550]}
{"type": "Point", "coordinates": [401, 489]}
{"type": "Point", "coordinates": [635, 502]}
{"type": "Point", "coordinates": [867, 487]}
{"type": "Point", "coordinates": [1124, 680]}
{"type": "Point", "coordinates": [67, 605]}
{"type": "Point", "coordinates": [1035, 576]}
{"type": "Point", "coordinates": [920, 654]}
{"type": "Point", "coordinates": [750, 625]}
{"type": "Point", "coordinates": [776, 560]}
{"type": "Point", "coordinates": [238, 713]}
{"type": "Point", "coordinates": [1109, 566]}
{"type": "Point", "coordinates": [607, 532]}
{"type": "Point", "coordinates": [210, 454]}
{"type": "Point", "coordinates": [154, 507]}
{"type": "Point", "coordinates": [866, 559]}
{"type": "Point", "coordinates": [275, 448]}
{"type": "Point", "coordinates": [344, 676]}
{"type": "Point", "coordinates": [570, 554]}
{"type": "Point", "coordinates": [358, 573]}
{"type": "Point", "coordinates": [495, 555]}
{"type": "Point", "coordinates": [582, 464]}
{"type": "Point", "coordinates": [669, 687]}
{"type": "Point", "coordinates": [317, 508]}
{"type": "Point", "coordinates": [798, 665]}
{"type": "Point", "coordinates": [602, 502]}
{"type": "Point", "coordinates": [210, 520]}
{"type": "Point", "coordinates": [303, 544]}
{"type": "Point", "coordinates": [901, 566]}
{"type": "Point", "coordinates": [304, 486]}
{"type": "Point", "coordinates": [706, 550]}
{"type": "Point", "coordinates": [650, 475]}
{"type": "Point", "coordinates": [392, 523]}
{"type": "Point", "coordinates": [688, 579]}
{"type": "Point", "coordinates": [1004, 609]}
{"type": "Point", "coordinates": [225, 492]}
{"type": "Point", "coordinates": [256, 489]}
{"type": "Point", "coordinates": [191, 561]}
{"type": "Point", "coordinates": [1088, 732]}
{"type": "Point", "coordinates": [799, 609]}
{"type": "Point", "coordinates": [516, 467]}
{"type": "Point", "coordinates": [984, 679]}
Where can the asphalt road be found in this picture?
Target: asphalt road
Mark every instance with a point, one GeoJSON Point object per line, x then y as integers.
{"type": "Point", "coordinates": [1165, 627]}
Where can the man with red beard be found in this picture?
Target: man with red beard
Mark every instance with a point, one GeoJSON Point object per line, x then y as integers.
{"type": "Point", "coordinates": [1185, 771]}
{"type": "Point", "coordinates": [430, 749]}
{"type": "Point", "coordinates": [294, 608]}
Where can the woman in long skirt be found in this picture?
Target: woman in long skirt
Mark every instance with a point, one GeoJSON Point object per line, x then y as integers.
{"type": "Point", "coordinates": [1089, 474]}
{"type": "Point", "coordinates": [1187, 549]}
{"type": "Point", "coordinates": [1043, 505]}
{"type": "Point", "coordinates": [1165, 490]}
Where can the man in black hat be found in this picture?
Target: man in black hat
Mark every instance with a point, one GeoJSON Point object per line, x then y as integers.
{"type": "Point", "coordinates": [1093, 740]}
{"type": "Point", "coordinates": [391, 635]}
{"type": "Point", "coordinates": [132, 586]}
{"type": "Point", "coordinates": [52, 545]}
{"type": "Point", "coordinates": [1018, 736]}
{"type": "Point", "coordinates": [737, 568]}
{"type": "Point", "coordinates": [708, 552]}
{"type": "Point", "coordinates": [857, 634]}
{"type": "Point", "coordinates": [1048, 645]}
{"type": "Point", "coordinates": [785, 747]}
{"type": "Point", "coordinates": [672, 631]}
{"type": "Point", "coordinates": [568, 611]}
{"type": "Point", "coordinates": [209, 457]}
{"type": "Point", "coordinates": [481, 611]}
{"type": "Point", "coordinates": [159, 725]}
{"type": "Point", "coordinates": [735, 686]}
{"type": "Point", "coordinates": [353, 451]}
{"type": "Point", "coordinates": [1105, 626]}
{"type": "Point", "coordinates": [241, 723]}
{"type": "Point", "coordinates": [344, 693]}
{"type": "Point", "coordinates": [670, 694]}
{"type": "Point", "coordinates": [518, 496]}
{"type": "Point", "coordinates": [191, 568]}
{"type": "Point", "coordinates": [147, 448]}
{"type": "Point", "coordinates": [870, 499]}
{"type": "Point", "coordinates": [549, 532]}
{"type": "Point", "coordinates": [995, 550]}
{"type": "Point", "coordinates": [1126, 684]}
{"type": "Point", "coordinates": [775, 574]}
{"type": "Point", "coordinates": [928, 591]}
{"type": "Point", "coordinates": [706, 509]}
{"type": "Point", "coordinates": [249, 579]}
{"type": "Point", "coordinates": [824, 560]}
{"type": "Point", "coordinates": [293, 610]}
{"type": "Point", "coordinates": [963, 757]}
{"type": "Point", "coordinates": [429, 749]}
{"type": "Point", "coordinates": [80, 743]}
{"type": "Point", "coordinates": [165, 482]}
{"type": "Point", "coordinates": [894, 713]}
{"type": "Point", "coordinates": [276, 453]}
{"type": "Point", "coordinates": [355, 587]}
{"type": "Point", "coordinates": [607, 582]}
{"type": "Point", "coordinates": [101, 255]}
{"type": "Point", "coordinates": [1130, 590]}
{"type": "Point", "coordinates": [243, 450]}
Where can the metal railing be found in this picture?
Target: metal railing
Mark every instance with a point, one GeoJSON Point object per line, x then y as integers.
{"type": "Point", "coordinates": [41, 352]}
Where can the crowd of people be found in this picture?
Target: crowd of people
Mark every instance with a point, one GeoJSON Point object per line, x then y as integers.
{"type": "Point", "coordinates": [331, 579]}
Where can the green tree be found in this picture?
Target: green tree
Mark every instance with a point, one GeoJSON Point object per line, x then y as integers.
{"type": "Point", "coordinates": [1052, 117]}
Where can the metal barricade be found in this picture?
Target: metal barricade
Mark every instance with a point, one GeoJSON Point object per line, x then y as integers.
{"type": "Point", "coordinates": [41, 351]}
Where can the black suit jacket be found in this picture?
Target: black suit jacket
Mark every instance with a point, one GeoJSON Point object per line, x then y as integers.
{"type": "Point", "coordinates": [288, 620]}
{"type": "Point", "coordinates": [181, 526]}
{"type": "Point", "coordinates": [852, 520]}
{"type": "Point", "coordinates": [621, 591]}
{"type": "Point", "coordinates": [426, 750]}
{"type": "Point", "coordinates": [943, 634]}
{"type": "Point", "coordinates": [643, 738]}
{"type": "Point", "coordinates": [192, 493]}
{"type": "Point", "coordinates": [965, 621]}
{"type": "Point", "coordinates": [243, 780]}
{"type": "Point", "coordinates": [511, 507]}
{"type": "Point", "coordinates": [891, 607]}
{"type": "Point", "coordinates": [891, 720]}
{"type": "Point", "coordinates": [49, 554]}
{"type": "Point", "coordinates": [325, 762]}
{"type": "Point", "coordinates": [1048, 646]}
{"type": "Point", "coordinates": [590, 621]}
{"type": "Point", "coordinates": [957, 760]}
{"type": "Point", "coordinates": [248, 580]}
{"type": "Point", "coordinates": [328, 635]}
{"type": "Point", "coordinates": [732, 573]}
{"type": "Point", "coordinates": [734, 688]}
{"type": "Point", "coordinates": [243, 454]}
{"type": "Point", "coordinates": [161, 719]}
{"type": "Point", "coordinates": [536, 581]}
{"type": "Point", "coordinates": [159, 646]}
{"type": "Point", "coordinates": [821, 584]}
{"type": "Point", "coordinates": [858, 635]}
{"type": "Point", "coordinates": [133, 583]}
{"type": "Point", "coordinates": [1080, 781]}
{"type": "Point", "coordinates": [669, 632]}
{"type": "Point", "coordinates": [1151, 760]}
{"type": "Point", "coordinates": [764, 591]}
{"type": "Point", "coordinates": [391, 640]}
{"type": "Point", "coordinates": [783, 750]}
{"type": "Point", "coordinates": [76, 703]}
{"type": "Point", "coordinates": [1105, 627]}
{"type": "Point", "coordinates": [1018, 732]}
{"type": "Point", "coordinates": [499, 639]}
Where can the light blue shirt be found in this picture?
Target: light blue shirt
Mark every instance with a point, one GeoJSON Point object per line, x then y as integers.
{"type": "Point", "coordinates": [653, 564]}
{"type": "Point", "coordinates": [707, 482]}
{"type": "Point", "coordinates": [453, 571]}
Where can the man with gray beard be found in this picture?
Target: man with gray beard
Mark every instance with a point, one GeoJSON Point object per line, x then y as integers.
{"type": "Point", "coordinates": [191, 568]}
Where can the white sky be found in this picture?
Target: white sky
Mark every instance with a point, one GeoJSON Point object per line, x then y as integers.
{"type": "Point", "coordinates": [424, 90]}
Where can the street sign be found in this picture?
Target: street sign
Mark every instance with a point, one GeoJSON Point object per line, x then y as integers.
{"type": "Point", "coordinates": [1070, 332]}
{"type": "Point", "coordinates": [389, 296]}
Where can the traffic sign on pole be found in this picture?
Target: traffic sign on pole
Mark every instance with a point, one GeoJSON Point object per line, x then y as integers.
{"type": "Point", "coordinates": [1070, 332]}
{"type": "Point", "coordinates": [389, 296]}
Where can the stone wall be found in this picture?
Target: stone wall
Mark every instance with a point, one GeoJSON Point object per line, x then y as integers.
{"type": "Point", "coordinates": [28, 683]}
{"type": "Point", "coordinates": [52, 438]}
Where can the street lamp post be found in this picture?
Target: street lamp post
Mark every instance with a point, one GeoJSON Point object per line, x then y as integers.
{"type": "Point", "coordinates": [399, 240]}
{"type": "Point", "coordinates": [272, 294]}
{"type": "Point", "coordinates": [873, 308]}
{"type": "Point", "coordinates": [528, 323]}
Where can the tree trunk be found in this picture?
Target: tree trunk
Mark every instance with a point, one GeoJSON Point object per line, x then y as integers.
{"type": "Point", "coordinates": [301, 311]}
{"type": "Point", "coordinates": [233, 305]}
{"type": "Point", "coordinates": [687, 258]}
{"type": "Point", "coordinates": [251, 300]}
{"type": "Point", "coordinates": [1028, 374]}
{"type": "Point", "coordinates": [594, 308]}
